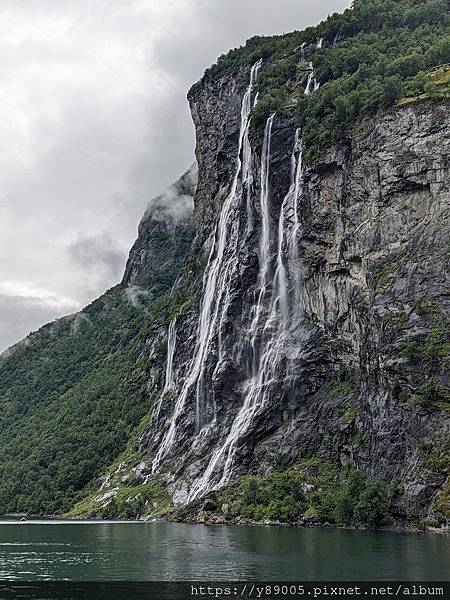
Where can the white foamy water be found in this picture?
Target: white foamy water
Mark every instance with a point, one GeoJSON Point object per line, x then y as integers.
{"type": "Point", "coordinates": [221, 263]}
{"type": "Point", "coordinates": [270, 324]}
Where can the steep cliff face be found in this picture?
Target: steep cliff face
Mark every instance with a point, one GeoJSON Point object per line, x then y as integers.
{"type": "Point", "coordinates": [165, 234]}
{"type": "Point", "coordinates": [291, 322]}
{"type": "Point", "coordinates": [319, 327]}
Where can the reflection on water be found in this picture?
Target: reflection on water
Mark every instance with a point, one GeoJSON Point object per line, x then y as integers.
{"type": "Point", "coordinates": [91, 551]}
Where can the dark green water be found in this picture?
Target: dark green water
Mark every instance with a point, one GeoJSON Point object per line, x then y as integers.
{"type": "Point", "coordinates": [48, 550]}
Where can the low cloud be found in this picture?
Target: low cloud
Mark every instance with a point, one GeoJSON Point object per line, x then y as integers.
{"type": "Point", "coordinates": [177, 201]}
{"type": "Point", "coordinates": [100, 261]}
{"type": "Point", "coordinates": [134, 294]}
{"type": "Point", "coordinates": [95, 123]}
{"type": "Point", "coordinates": [99, 253]}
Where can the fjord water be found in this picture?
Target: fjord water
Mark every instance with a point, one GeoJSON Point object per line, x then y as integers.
{"type": "Point", "coordinates": [133, 551]}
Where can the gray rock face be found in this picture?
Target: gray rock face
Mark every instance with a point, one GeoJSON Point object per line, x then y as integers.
{"type": "Point", "coordinates": [165, 232]}
{"type": "Point", "coordinates": [356, 372]}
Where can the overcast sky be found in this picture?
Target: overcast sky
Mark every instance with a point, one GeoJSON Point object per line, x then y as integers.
{"type": "Point", "coordinates": [94, 123]}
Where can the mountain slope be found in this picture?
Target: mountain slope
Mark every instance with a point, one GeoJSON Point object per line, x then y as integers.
{"type": "Point", "coordinates": [319, 332]}
{"type": "Point", "coordinates": [72, 393]}
{"type": "Point", "coordinates": [297, 369]}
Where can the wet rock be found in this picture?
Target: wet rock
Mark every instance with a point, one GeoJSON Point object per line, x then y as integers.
{"type": "Point", "coordinates": [370, 268]}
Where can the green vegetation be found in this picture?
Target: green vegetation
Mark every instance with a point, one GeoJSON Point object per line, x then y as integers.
{"type": "Point", "coordinates": [436, 344]}
{"type": "Point", "coordinates": [431, 393]}
{"type": "Point", "coordinates": [435, 86]}
{"type": "Point", "coordinates": [125, 502]}
{"type": "Point", "coordinates": [72, 394]}
{"type": "Point", "coordinates": [132, 502]}
{"type": "Point", "coordinates": [278, 496]}
{"type": "Point", "coordinates": [383, 56]}
{"type": "Point", "coordinates": [429, 351]}
{"type": "Point", "coordinates": [442, 501]}
{"type": "Point", "coordinates": [350, 413]}
{"type": "Point", "coordinates": [357, 500]}
{"type": "Point", "coordinates": [122, 494]}
{"type": "Point", "coordinates": [311, 489]}
{"type": "Point", "coordinates": [309, 325]}
{"type": "Point", "coordinates": [438, 461]}
{"type": "Point", "coordinates": [382, 276]}
{"type": "Point", "coordinates": [432, 348]}
{"type": "Point", "coordinates": [341, 385]}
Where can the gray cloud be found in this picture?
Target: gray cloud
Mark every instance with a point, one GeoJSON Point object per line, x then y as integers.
{"type": "Point", "coordinates": [100, 252]}
{"type": "Point", "coordinates": [19, 315]}
{"type": "Point", "coordinates": [95, 123]}
{"type": "Point", "coordinates": [100, 259]}
{"type": "Point", "coordinates": [177, 201]}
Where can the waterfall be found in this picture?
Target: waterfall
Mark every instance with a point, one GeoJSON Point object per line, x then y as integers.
{"type": "Point", "coordinates": [264, 248]}
{"type": "Point", "coordinates": [264, 251]}
{"type": "Point", "coordinates": [286, 278]}
{"type": "Point", "coordinates": [281, 284]}
{"type": "Point", "coordinates": [302, 50]}
{"type": "Point", "coordinates": [223, 456]}
{"type": "Point", "coordinates": [276, 323]}
{"type": "Point", "coordinates": [221, 264]}
{"type": "Point", "coordinates": [312, 85]}
{"type": "Point", "coordinates": [297, 192]}
{"type": "Point", "coordinates": [171, 343]}
{"type": "Point", "coordinates": [220, 267]}
{"type": "Point", "coordinates": [169, 380]}
{"type": "Point", "coordinates": [247, 173]}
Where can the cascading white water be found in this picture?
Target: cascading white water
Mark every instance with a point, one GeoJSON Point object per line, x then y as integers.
{"type": "Point", "coordinates": [247, 172]}
{"type": "Point", "coordinates": [280, 281]}
{"type": "Point", "coordinates": [221, 263]}
{"type": "Point", "coordinates": [302, 49]}
{"type": "Point", "coordinates": [223, 456]}
{"type": "Point", "coordinates": [293, 246]}
{"type": "Point", "coordinates": [312, 85]}
{"type": "Point", "coordinates": [264, 248]}
{"type": "Point", "coordinates": [285, 282]}
{"type": "Point", "coordinates": [171, 343]}
{"type": "Point", "coordinates": [276, 320]}
{"type": "Point", "coordinates": [169, 380]}
{"type": "Point", "coordinates": [218, 272]}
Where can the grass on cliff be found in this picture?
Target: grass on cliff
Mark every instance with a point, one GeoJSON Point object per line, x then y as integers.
{"type": "Point", "coordinates": [122, 494]}
{"type": "Point", "coordinates": [442, 501]}
{"type": "Point", "coordinates": [125, 502]}
{"type": "Point", "coordinates": [436, 86]}
{"type": "Point", "coordinates": [376, 54]}
{"type": "Point", "coordinates": [428, 351]}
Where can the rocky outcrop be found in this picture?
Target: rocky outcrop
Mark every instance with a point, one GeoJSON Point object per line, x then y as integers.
{"type": "Point", "coordinates": [358, 243]}
{"type": "Point", "coordinates": [165, 233]}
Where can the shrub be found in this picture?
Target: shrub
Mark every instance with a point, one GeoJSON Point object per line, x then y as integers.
{"type": "Point", "coordinates": [311, 487]}
{"type": "Point", "coordinates": [358, 500]}
{"type": "Point", "coordinates": [384, 50]}
{"type": "Point", "coordinates": [373, 505]}
{"type": "Point", "coordinates": [277, 496]}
